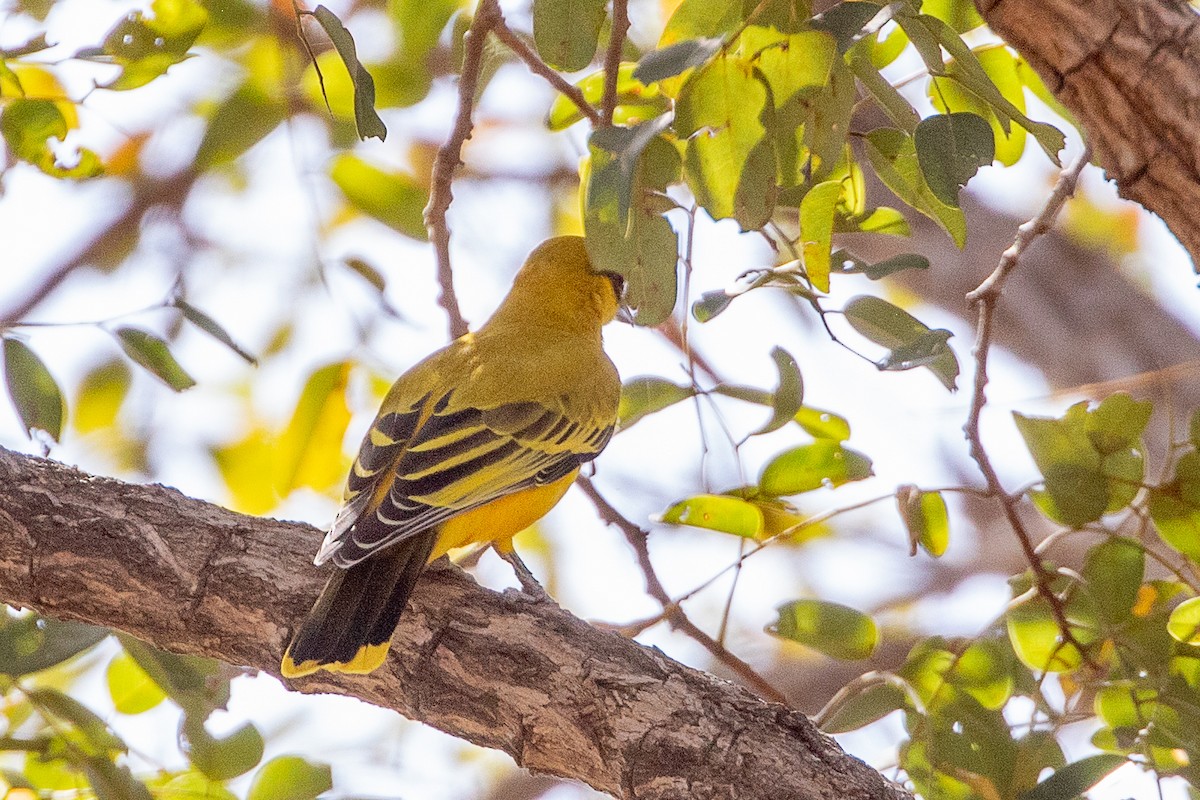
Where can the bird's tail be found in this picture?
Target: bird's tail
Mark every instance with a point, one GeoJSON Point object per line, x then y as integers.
{"type": "Point", "coordinates": [350, 627]}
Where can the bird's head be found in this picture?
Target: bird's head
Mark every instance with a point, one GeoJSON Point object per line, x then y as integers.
{"type": "Point", "coordinates": [558, 286]}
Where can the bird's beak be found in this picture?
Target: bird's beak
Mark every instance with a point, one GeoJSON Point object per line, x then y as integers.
{"type": "Point", "coordinates": [624, 313]}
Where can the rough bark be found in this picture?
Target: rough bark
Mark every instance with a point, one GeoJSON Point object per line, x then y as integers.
{"type": "Point", "coordinates": [1126, 69]}
{"type": "Point", "coordinates": [499, 670]}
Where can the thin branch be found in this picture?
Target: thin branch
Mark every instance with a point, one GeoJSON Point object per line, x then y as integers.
{"type": "Point", "coordinates": [449, 158]}
{"type": "Point", "coordinates": [612, 59]}
{"type": "Point", "coordinates": [984, 298]}
{"type": "Point", "coordinates": [672, 612]}
{"type": "Point", "coordinates": [538, 67]}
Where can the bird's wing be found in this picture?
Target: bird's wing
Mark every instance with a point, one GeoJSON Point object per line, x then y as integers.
{"type": "Point", "coordinates": [426, 463]}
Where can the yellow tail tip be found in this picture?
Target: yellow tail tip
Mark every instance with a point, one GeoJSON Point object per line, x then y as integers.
{"type": "Point", "coordinates": [368, 659]}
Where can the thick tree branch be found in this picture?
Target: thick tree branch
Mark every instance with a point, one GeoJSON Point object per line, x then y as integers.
{"type": "Point", "coordinates": [1126, 69]}
{"type": "Point", "coordinates": [558, 695]}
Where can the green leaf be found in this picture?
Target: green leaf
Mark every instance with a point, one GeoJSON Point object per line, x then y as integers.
{"type": "Point", "coordinates": [845, 21]}
{"type": "Point", "coordinates": [210, 326]}
{"type": "Point", "coordinates": [1113, 572]}
{"type": "Point", "coordinates": [1184, 622]}
{"type": "Point", "coordinates": [861, 709]}
{"type": "Point", "coordinates": [1036, 638]}
{"type": "Point", "coordinates": [27, 125]}
{"type": "Point", "coordinates": [909, 342]}
{"type": "Point", "coordinates": [698, 19]}
{"type": "Point", "coordinates": [620, 173]}
{"type": "Point", "coordinates": [711, 304]}
{"type": "Point", "coordinates": [635, 100]}
{"type": "Point", "coordinates": [893, 154]}
{"type": "Point", "coordinates": [566, 32]}
{"type": "Point", "coordinates": [1077, 489]}
{"type": "Point", "coordinates": [717, 512]}
{"type": "Point", "coordinates": [876, 220]}
{"type": "Point", "coordinates": [146, 47]}
{"type": "Point", "coordinates": [238, 124]}
{"type": "Point", "coordinates": [33, 390]}
{"type": "Point", "coordinates": [889, 266]}
{"type": "Point", "coordinates": [950, 149]}
{"type": "Point", "coordinates": [823, 424]}
{"type": "Point", "coordinates": [112, 781]}
{"type": "Point", "coordinates": [925, 518]}
{"type": "Point", "coordinates": [894, 104]}
{"type": "Point", "coordinates": [833, 629]}
{"type": "Point", "coordinates": [816, 230]}
{"type": "Point", "coordinates": [824, 463]}
{"type": "Point", "coordinates": [91, 735]}
{"type": "Point", "coordinates": [192, 785]}
{"type": "Point", "coordinates": [641, 397]}
{"type": "Point", "coordinates": [984, 671]}
{"type": "Point", "coordinates": [150, 352]}
{"type": "Point", "coordinates": [729, 163]}
{"type": "Point", "coordinates": [1118, 423]}
{"type": "Point", "coordinates": [132, 690]}
{"type": "Point", "coordinates": [790, 63]}
{"type": "Point", "coordinates": [394, 198]}
{"type": "Point", "coordinates": [194, 683]}
{"type": "Point", "coordinates": [1075, 778]}
{"type": "Point", "coordinates": [788, 396]}
{"type": "Point", "coordinates": [675, 59]}
{"type": "Point", "coordinates": [290, 778]}
{"type": "Point", "coordinates": [222, 758]}
{"type": "Point", "coordinates": [366, 120]}
{"type": "Point", "coordinates": [29, 643]}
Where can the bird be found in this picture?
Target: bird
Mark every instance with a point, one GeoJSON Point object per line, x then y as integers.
{"type": "Point", "coordinates": [471, 445]}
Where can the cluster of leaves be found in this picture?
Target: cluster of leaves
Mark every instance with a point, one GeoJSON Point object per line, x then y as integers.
{"type": "Point", "coordinates": [51, 742]}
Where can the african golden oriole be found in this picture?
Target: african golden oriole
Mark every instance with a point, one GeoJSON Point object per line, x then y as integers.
{"type": "Point", "coordinates": [473, 444]}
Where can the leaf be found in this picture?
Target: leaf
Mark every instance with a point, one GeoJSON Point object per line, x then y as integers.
{"type": "Point", "coordinates": [1118, 423]}
{"type": "Point", "coordinates": [675, 59]}
{"type": "Point", "coordinates": [1075, 778]}
{"type": "Point", "coordinates": [1036, 638]}
{"type": "Point", "coordinates": [824, 463]}
{"type": "Point", "coordinates": [221, 758]}
{"type": "Point", "coordinates": [1070, 465]}
{"type": "Point", "coordinates": [729, 163]}
{"type": "Point", "coordinates": [150, 352]}
{"type": "Point", "coordinates": [831, 628]}
{"type": "Point", "coordinates": [862, 708]}
{"type": "Point", "coordinates": [146, 47]}
{"type": "Point", "coordinates": [132, 690]}
{"type": "Point", "coordinates": [845, 21]}
{"type": "Point", "coordinates": [950, 149]}
{"type": "Point", "coordinates": [210, 326]}
{"type": "Point", "coordinates": [877, 220]}
{"type": "Point", "coordinates": [984, 671]}
{"type": "Point", "coordinates": [909, 341]}
{"type": "Point", "coordinates": [30, 643]}
{"type": "Point", "coordinates": [310, 450]}
{"type": "Point", "coordinates": [889, 99]}
{"type": "Point", "coordinates": [823, 424]}
{"type": "Point", "coordinates": [893, 154]}
{"type": "Point", "coordinates": [366, 120]}
{"type": "Point", "coordinates": [101, 394]}
{"type": "Point", "coordinates": [393, 198]}
{"type": "Point", "coordinates": [925, 518]}
{"type": "Point", "coordinates": [1113, 572]}
{"type": "Point", "coordinates": [697, 19]}
{"type": "Point", "coordinates": [711, 304]}
{"type": "Point", "coordinates": [33, 390]}
{"type": "Point", "coordinates": [890, 266]}
{"type": "Point", "coordinates": [641, 397]}
{"type": "Point", "coordinates": [788, 396]}
{"type": "Point", "coordinates": [194, 683]}
{"type": "Point", "coordinates": [1178, 522]}
{"type": "Point", "coordinates": [620, 174]}
{"type": "Point", "coordinates": [790, 63]}
{"type": "Point", "coordinates": [290, 778]}
{"type": "Point", "coordinates": [237, 124]}
{"type": "Point", "coordinates": [192, 785]}
{"type": "Point", "coordinates": [816, 230]}
{"type": "Point", "coordinates": [28, 124]}
{"type": "Point", "coordinates": [91, 734]}
{"type": "Point", "coordinates": [1184, 622]}
{"type": "Point", "coordinates": [717, 513]}
{"type": "Point", "coordinates": [635, 100]}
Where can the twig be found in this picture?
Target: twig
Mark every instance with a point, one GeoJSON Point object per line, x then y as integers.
{"type": "Point", "coordinates": [449, 157]}
{"type": "Point", "coordinates": [985, 297]}
{"type": "Point", "coordinates": [539, 67]}
{"type": "Point", "coordinates": [612, 59]}
{"type": "Point", "coordinates": [671, 610]}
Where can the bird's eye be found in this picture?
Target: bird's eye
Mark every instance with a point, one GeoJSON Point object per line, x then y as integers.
{"type": "Point", "coordinates": [618, 283]}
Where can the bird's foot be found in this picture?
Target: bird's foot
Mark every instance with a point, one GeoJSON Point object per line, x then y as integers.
{"type": "Point", "coordinates": [529, 584]}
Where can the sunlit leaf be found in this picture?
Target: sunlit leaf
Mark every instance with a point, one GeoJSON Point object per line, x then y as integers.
{"type": "Point", "coordinates": [823, 424]}
{"type": "Point", "coordinates": [93, 735]}
{"type": "Point", "coordinates": [824, 463]}
{"type": "Point", "coordinates": [394, 198]}
{"type": "Point", "coordinates": [28, 124]}
{"type": "Point", "coordinates": [365, 117]}
{"type": "Point", "coordinates": [831, 628]}
{"type": "Point", "coordinates": [697, 19]}
{"type": "Point", "coordinates": [237, 124]}
{"type": "Point", "coordinates": [877, 220]}
{"type": "Point", "coordinates": [131, 689]}
{"type": "Point", "coordinates": [717, 513]}
{"type": "Point", "coordinates": [925, 518]}
{"type": "Point", "coordinates": [310, 450]}
{"type": "Point", "coordinates": [192, 785]}
{"type": "Point", "coordinates": [816, 230]}
{"type": "Point", "coordinates": [33, 390]}
{"type": "Point", "coordinates": [101, 394]}
{"type": "Point", "coordinates": [984, 671]}
{"type": "Point", "coordinates": [790, 62]}
{"type": "Point", "coordinates": [635, 100]}
{"type": "Point", "coordinates": [1184, 622]}
{"type": "Point", "coordinates": [290, 778]}
{"type": "Point", "coordinates": [194, 683]}
{"type": "Point", "coordinates": [150, 352]}
{"type": "Point", "coordinates": [1037, 639]}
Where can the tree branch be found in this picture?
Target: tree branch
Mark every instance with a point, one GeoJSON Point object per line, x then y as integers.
{"type": "Point", "coordinates": [1125, 69]}
{"type": "Point", "coordinates": [558, 695]}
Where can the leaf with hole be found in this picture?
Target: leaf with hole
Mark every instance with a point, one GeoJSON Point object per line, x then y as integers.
{"type": "Point", "coordinates": [909, 341]}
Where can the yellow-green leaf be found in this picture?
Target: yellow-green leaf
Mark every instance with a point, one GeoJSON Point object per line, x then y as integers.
{"type": "Point", "coordinates": [717, 512]}
{"type": "Point", "coordinates": [831, 628]}
{"type": "Point", "coordinates": [151, 352]}
{"type": "Point", "coordinates": [816, 230]}
{"type": "Point", "coordinates": [132, 690]}
{"type": "Point", "coordinates": [33, 390]}
{"type": "Point", "coordinates": [824, 463]}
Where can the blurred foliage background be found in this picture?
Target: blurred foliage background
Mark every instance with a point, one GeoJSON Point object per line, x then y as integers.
{"type": "Point", "coordinates": [217, 258]}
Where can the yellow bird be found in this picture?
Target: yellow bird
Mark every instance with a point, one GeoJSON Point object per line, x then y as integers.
{"type": "Point", "coordinates": [473, 444]}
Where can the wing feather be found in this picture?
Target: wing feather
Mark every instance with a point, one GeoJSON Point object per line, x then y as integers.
{"type": "Point", "coordinates": [436, 459]}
